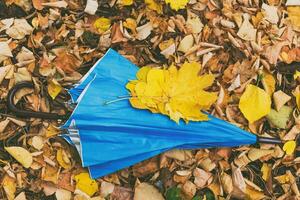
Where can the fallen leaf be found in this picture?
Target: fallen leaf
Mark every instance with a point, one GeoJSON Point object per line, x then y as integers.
{"type": "Point", "coordinates": [3, 71]}
{"type": "Point", "coordinates": [186, 43]}
{"type": "Point", "coordinates": [106, 188]}
{"type": "Point", "coordinates": [268, 82]}
{"type": "Point", "coordinates": [145, 191]}
{"type": "Point", "coordinates": [21, 155]}
{"type": "Point", "coordinates": [85, 184]}
{"type": "Point", "coordinates": [102, 24]}
{"type": "Point", "coordinates": [5, 51]}
{"type": "Point", "coordinates": [255, 153]}
{"type": "Point", "coordinates": [181, 155]}
{"type": "Point", "coordinates": [280, 98]}
{"type": "Point", "coordinates": [54, 88]}
{"type": "Point", "coordinates": [56, 4]}
{"type": "Point", "coordinates": [21, 196]}
{"type": "Point", "coordinates": [19, 29]}
{"type": "Point", "coordinates": [266, 170]}
{"type": "Point", "coordinates": [294, 16]}
{"type": "Point", "coordinates": [247, 31]}
{"type": "Point", "coordinates": [91, 7]}
{"type": "Point", "coordinates": [194, 23]}
{"type": "Point", "coordinates": [189, 189]}
{"type": "Point", "coordinates": [25, 55]}
{"type": "Point", "coordinates": [37, 4]}
{"type": "Point", "coordinates": [280, 118]}
{"type": "Point", "coordinates": [37, 142]}
{"type": "Point", "coordinates": [289, 147]}
{"type": "Point", "coordinates": [272, 52]}
{"type": "Point", "coordinates": [227, 183]}
{"type": "Point", "coordinates": [63, 159]}
{"type": "Point", "coordinates": [254, 194]}
{"type": "Point", "coordinates": [144, 31]}
{"type": "Point", "coordinates": [202, 177]}
{"type": "Point", "coordinates": [170, 90]}
{"type": "Point", "coordinates": [153, 5]}
{"type": "Point", "coordinates": [9, 186]}
{"type": "Point", "coordinates": [62, 194]}
{"type": "Point", "coordinates": [270, 13]}
{"type": "Point", "coordinates": [177, 4]}
{"type": "Point", "coordinates": [255, 103]}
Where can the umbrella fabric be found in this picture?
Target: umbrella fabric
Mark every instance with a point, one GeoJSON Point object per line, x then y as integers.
{"type": "Point", "coordinates": [125, 132]}
{"type": "Point", "coordinates": [122, 131]}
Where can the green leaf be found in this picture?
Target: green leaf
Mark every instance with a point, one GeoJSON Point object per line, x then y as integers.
{"type": "Point", "coordinates": [197, 197]}
{"type": "Point", "coordinates": [173, 193]}
{"type": "Point", "coordinates": [279, 119]}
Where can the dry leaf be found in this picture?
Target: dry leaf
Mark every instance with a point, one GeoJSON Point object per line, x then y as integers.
{"type": "Point", "coordinates": [181, 155]}
{"type": "Point", "coordinates": [247, 31]}
{"type": "Point", "coordinates": [19, 29]}
{"type": "Point", "coordinates": [280, 98]}
{"type": "Point", "coordinates": [106, 188]}
{"type": "Point", "coordinates": [154, 5]}
{"type": "Point", "coordinates": [294, 16]}
{"type": "Point", "coordinates": [255, 103]}
{"type": "Point", "coordinates": [266, 170]}
{"type": "Point", "coordinates": [202, 177]}
{"type": "Point", "coordinates": [9, 186]}
{"type": "Point", "coordinates": [5, 51]}
{"type": "Point", "coordinates": [270, 13]}
{"type": "Point", "coordinates": [63, 159]}
{"type": "Point", "coordinates": [56, 4]}
{"type": "Point", "coordinates": [280, 118]}
{"type": "Point", "coordinates": [268, 82]}
{"type": "Point", "coordinates": [145, 191]}
{"type": "Point", "coordinates": [21, 155]}
{"type": "Point", "coordinates": [186, 43]}
{"type": "Point", "coordinates": [21, 196]}
{"type": "Point", "coordinates": [144, 31]}
{"type": "Point", "coordinates": [37, 142]}
{"type": "Point", "coordinates": [189, 189]}
{"type": "Point", "coordinates": [62, 194]}
{"type": "Point", "coordinates": [91, 7]}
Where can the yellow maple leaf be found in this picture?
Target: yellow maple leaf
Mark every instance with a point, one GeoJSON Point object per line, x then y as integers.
{"type": "Point", "coordinates": [296, 93]}
{"type": "Point", "coordinates": [102, 24]}
{"type": "Point", "coordinates": [177, 93]}
{"type": "Point", "coordinates": [255, 103]}
{"type": "Point", "coordinates": [289, 147]}
{"type": "Point", "coordinates": [85, 184]}
{"type": "Point", "coordinates": [153, 5]}
{"type": "Point", "coordinates": [177, 4]}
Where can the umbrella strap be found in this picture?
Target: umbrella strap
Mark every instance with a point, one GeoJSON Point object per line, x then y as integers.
{"type": "Point", "coordinates": [27, 113]}
{"type": "Point", "coordinates": [268, 140]}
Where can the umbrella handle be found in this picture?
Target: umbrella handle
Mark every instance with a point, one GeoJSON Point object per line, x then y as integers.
{"type": "Point", "coordinates": [26, 113]}
{"type": "Point", "coordinates": [267, 140]}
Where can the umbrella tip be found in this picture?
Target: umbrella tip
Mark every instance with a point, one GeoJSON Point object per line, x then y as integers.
{"type": "Point", "coordinates": [268, 140]}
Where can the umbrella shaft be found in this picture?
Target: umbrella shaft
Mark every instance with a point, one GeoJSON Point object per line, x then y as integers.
{"type": "Point", "coordinates": [267, 140]}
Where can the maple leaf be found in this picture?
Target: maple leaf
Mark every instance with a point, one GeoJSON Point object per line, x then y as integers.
{"type": "Point", "coordinates": [176, 93]}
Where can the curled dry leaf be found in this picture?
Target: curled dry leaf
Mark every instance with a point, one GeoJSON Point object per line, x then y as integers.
{"type": "Point", "coordinates": [62, 194]}
{"type": "Point", "coordinates": [106, 188]}
{"type": "Point", "coordinates": [181, 155]}
{"type": "Point", "coordinates": [145, 191]}
{"type": "Point", "coordinates": [19, 29]}
{"type": "Point", "coordinates": [21, 155]}
{"type": "Point", "coordinates": [91, 7]}
{"type": "Point", "coordinates": [270, 13]}
{"type": "Point", "coordinates": [9, 186]}
{"type": "Point", "coordinates": [280, 98]}
{"type": "Point", "coordinates": [186, 43]}
{"type": "Point", "coordinates": [202, 178]}
{"type": "Point", "coordinates": [247, 31]}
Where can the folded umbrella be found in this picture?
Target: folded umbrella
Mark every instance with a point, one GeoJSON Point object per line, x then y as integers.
{"type": "Point", "coordinates": [127, 135]}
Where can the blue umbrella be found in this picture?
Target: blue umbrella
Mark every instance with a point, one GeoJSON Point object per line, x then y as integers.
{"type": "Point", "coordinates": [114, 136]}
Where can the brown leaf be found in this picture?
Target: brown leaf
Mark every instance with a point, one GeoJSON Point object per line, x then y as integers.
{"type": "Point", "coordinates": [145, 167]}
